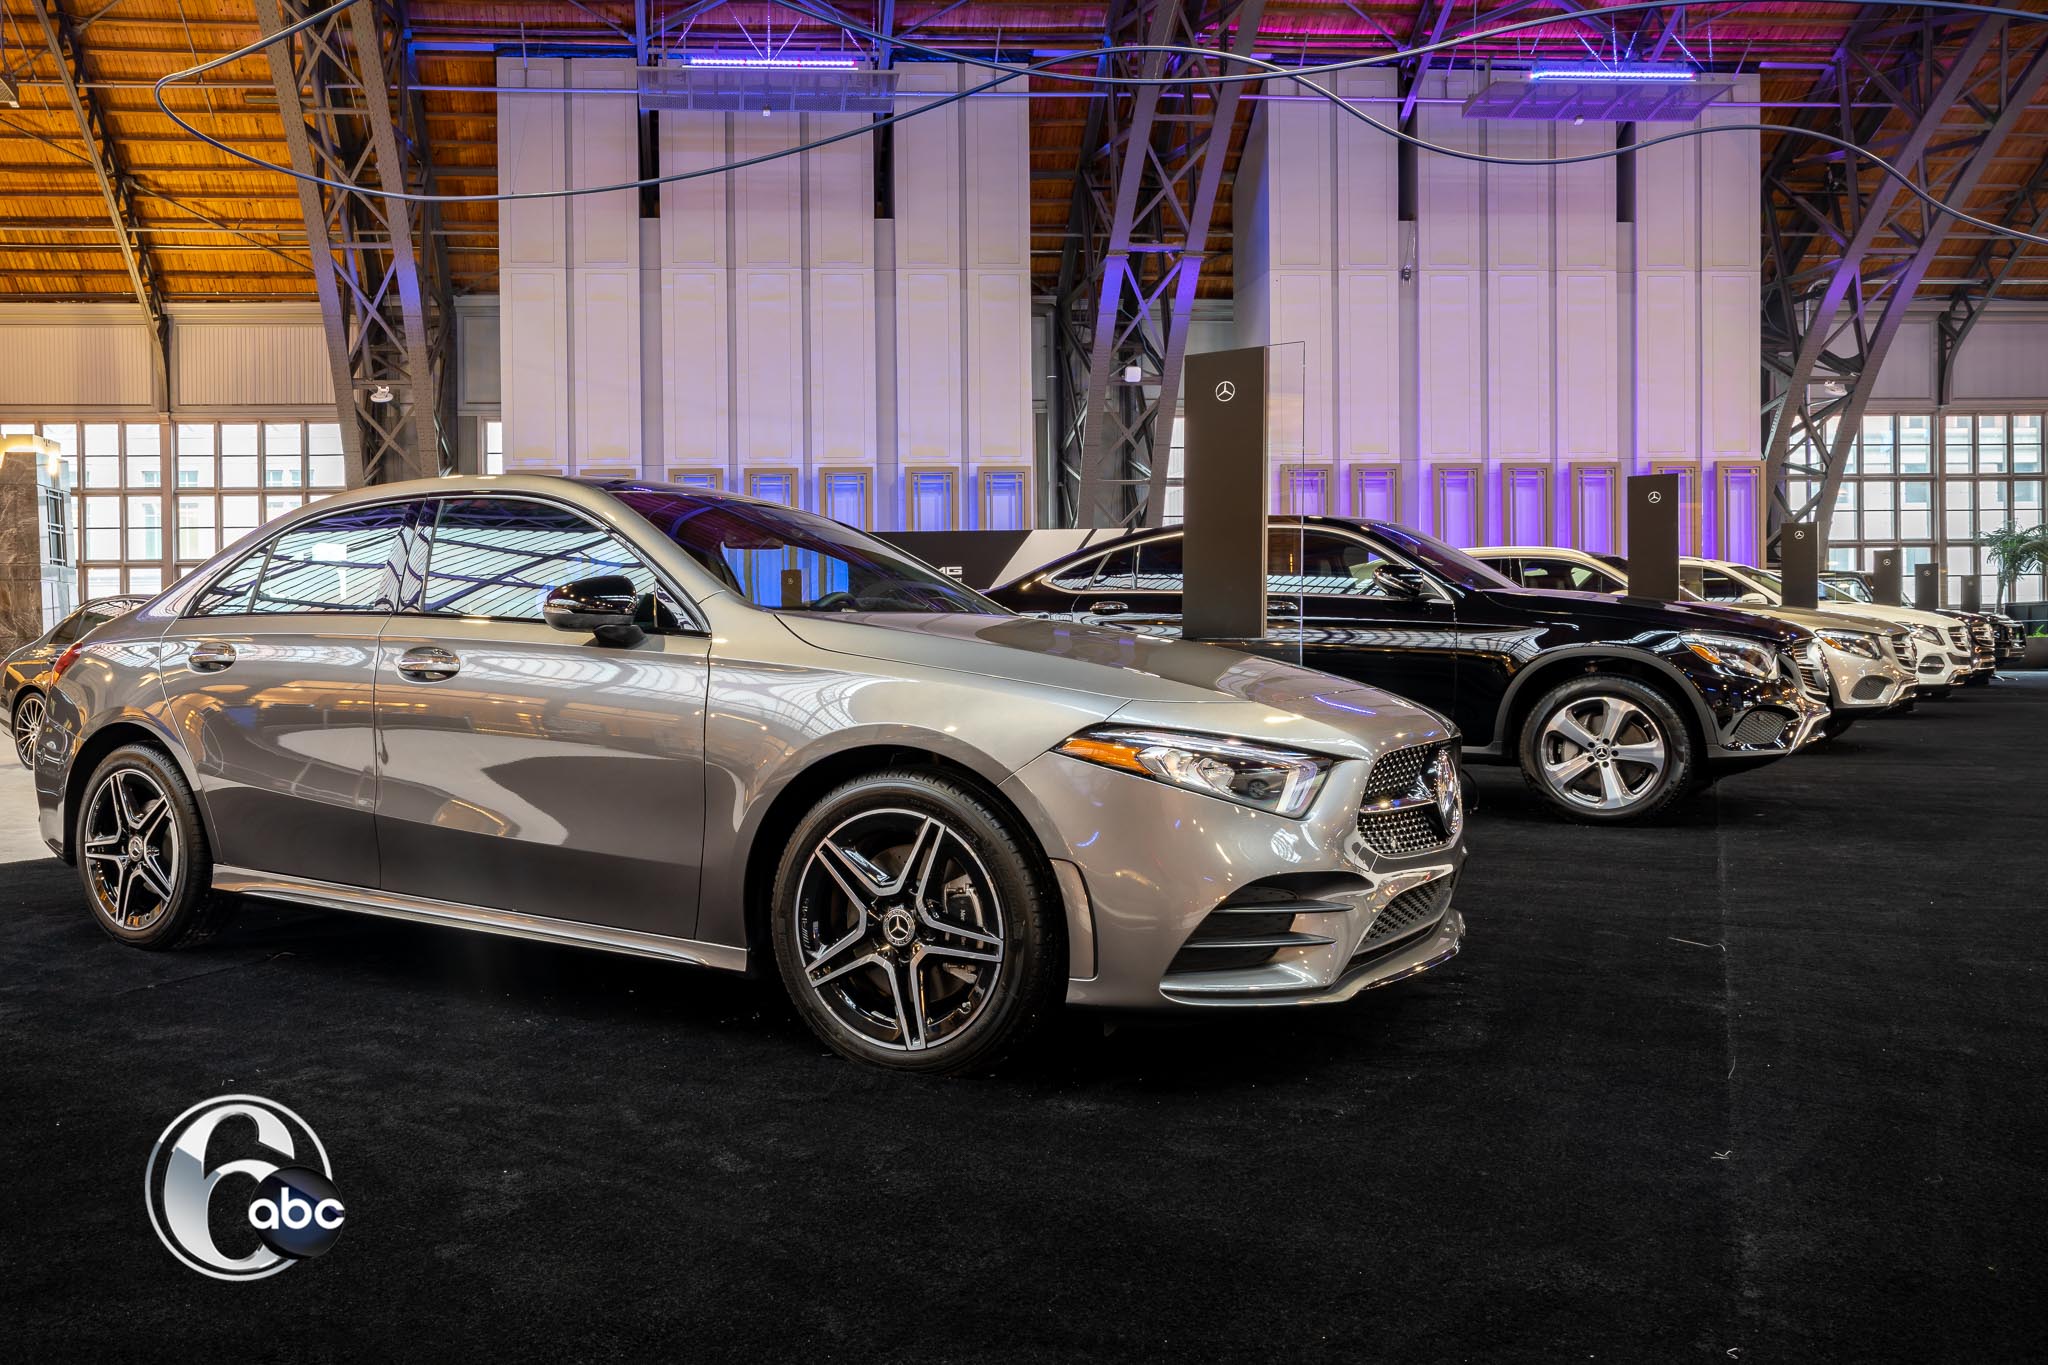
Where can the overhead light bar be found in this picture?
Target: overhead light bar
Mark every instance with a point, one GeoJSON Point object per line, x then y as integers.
{"type": "Point", "coordinates": [776, 63]}
{"type": "Point", "coordinates": [1600, 71]}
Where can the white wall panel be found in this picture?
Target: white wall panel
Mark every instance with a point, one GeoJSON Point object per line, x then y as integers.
{"type": "Point", "coordinates": [604, 149]}
{"type": "Point", "coordinates": [72, 357]}
{"type": "Point", "coordinates": [1449, 359]}
{"type": "Point", "coordinates": [533, 341]}
{"type": "Point", "coordinates": [696, 407]}
{"type": "Point", "coordinates": [1728, 187]}
{"type": "Point", "coordinates": [1367, 360]}
{"type": "Point", "coordinates": [1451, 216]}
{"type": "Point", "coordinates": [839, 196]}
{"type": "Point", "coordinates": [1585, 226]}
{"type": "Point", "coordinates": [768, 367]}
{"type": "Point", "coordinates": [1519, 218]}
{"type": "Point", "coordinates": [1668, 205]}
{"type": "Point", "coordinates": [842, 348]}
{"type": "Point", "coordinates": [1587, 365]}
{"type": "Point", "coordinates": [1667, 363]}
{"type": "Point", "coordinates": [693, 211]}
{"type": "Point", "coordinates": [246, 362]}
{"type": "Point", "coordinates": [767, 230]}
{"type": "Point", "coordinates": [999, 367]}
{"type": "Point", "coordinates": [928, 172]}
{"type": "Point", "coordinates": [1518, 370]}
{"type": "Point", "coordinates": [605, 383]}
{"type": "Point", "coordinates": [998, 188]}
{"type": "Point", "coordinates": [1298, 184]}
{"type": "Point", "coordinates": [1302, 312]}
{"type": "Point", "coordinates": [928, 345]}
{"type": "Point", "coordinates": [1731, 358]}
{"type": "Point", "coordinates": [1367, 178]}
{"type": "Point", "coordinates": [2003, 361]}
{"type": "Point", "coordinates": [532, 147]}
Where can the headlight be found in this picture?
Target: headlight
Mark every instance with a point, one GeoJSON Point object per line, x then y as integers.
{"type": "Point", "coordinates": [1851, 642]}
{"type": "Point", "coordinates": [1282, 781]}
{"type": "Point", "coordinates": [1737, 655]}
{"type": "Point", "coordinates": [1928, 635]}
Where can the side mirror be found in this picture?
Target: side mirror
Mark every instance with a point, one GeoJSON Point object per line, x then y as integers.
{"type": "Point", "coordinates": [604, 606]}
{"type": "Point", "coordinates": [1403, 580]}
{"type": "Point", "coordinates": [1752, 599]}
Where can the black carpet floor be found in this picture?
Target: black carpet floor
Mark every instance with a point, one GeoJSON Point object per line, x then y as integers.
{"type": "Point", "coordinates": [1764, 1083]}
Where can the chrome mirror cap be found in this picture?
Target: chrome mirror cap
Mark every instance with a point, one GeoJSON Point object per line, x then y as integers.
{"type": "Point", "coordinates": [604, 606]}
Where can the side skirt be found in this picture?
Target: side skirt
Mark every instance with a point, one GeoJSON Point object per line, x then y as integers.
{"type": "Point", "coordinates": [243, 881]}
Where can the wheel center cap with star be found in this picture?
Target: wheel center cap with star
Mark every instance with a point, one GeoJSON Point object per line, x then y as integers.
{"type": "Point", "coordinates": [135, 846]}
{"type": "Point", "coordinates": [899, 926]}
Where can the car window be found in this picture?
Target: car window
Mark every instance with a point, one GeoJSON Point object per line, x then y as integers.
{"type": "Point", "coordinates": [499, 557]}
{"type": "Point", "coordinates": [66, 630]}
{"type": "Point", "coordinates": [228, 595]}
{"type": "Point", "coordinates": [1077, 575]}
{"type": "Point", "coordinates": [1113, 570]}
{"type": "Point", "coordinates": [1159, 566]}
{"type": "Point", "coordinates": [1319, 564]}
{"type": "Point", "coordinates": [1567, 575]}
{"type": "Point", "coordinates": [339, 562]}
{"type": "Point", "coordinates": [1716, 586]}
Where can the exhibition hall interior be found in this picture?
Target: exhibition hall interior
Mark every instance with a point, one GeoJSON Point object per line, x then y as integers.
{"type": "Point", "coordinates": [1008, 679]}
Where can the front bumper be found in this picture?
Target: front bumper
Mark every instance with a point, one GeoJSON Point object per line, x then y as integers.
{"type": "Point", "coordinates": [1757, 720]}
{"type": "Point", "coordinates": [1193, 901]}
{"type": "Point", "coordinates": [1859, 684]}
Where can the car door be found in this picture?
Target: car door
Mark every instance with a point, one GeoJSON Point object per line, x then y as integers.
{"type": "Point", "coordinates": [1328, 608]}
{"type": "Point", "coordinates": [530, 769]}
{"type": "Point", "coordinates": [268, 679]}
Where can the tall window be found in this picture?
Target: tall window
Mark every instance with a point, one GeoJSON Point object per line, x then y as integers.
{"type": "Point", "coordinates": [1931, 487]}
{"type": "Point", "coordinates": [156, 499]}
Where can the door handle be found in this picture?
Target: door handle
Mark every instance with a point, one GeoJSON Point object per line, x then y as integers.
{"type": "Point", "coordinates": [427, 663]}
{"type": "Point", "coordinates": [211, 656]}
{"type": "Point", "coordinates": [1110, 608]}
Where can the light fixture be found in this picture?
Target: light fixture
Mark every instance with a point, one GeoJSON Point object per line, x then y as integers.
{"type": "Point", "coordinates": [381, 394]}
{"type": "Point", "coordinates": [778, 63]}
{"type": "Point", "coordinates": [10, 94]}
{"type": "Point", "coordinates": [1133, 374]}
{"type": "Point", "coordinates": [1599, 71]}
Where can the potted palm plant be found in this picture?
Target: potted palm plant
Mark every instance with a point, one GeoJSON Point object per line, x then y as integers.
{"type": "Point", "coordinates": [2014, 551]}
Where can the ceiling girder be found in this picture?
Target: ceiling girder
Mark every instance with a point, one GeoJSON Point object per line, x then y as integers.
{"type": "Point", "coordinates": [350, 114]}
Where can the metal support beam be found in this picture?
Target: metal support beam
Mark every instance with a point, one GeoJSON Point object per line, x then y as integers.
{"type": "Point", "coordinates": [61, 33]}
{"type": "Point", "coordinates": [1993, 265]}
{"type": "Point", "coordinates": [1413, 78]}
{"type": "Point", "coordinates": [344, 93]}
{"type": "Point", "coordinates": [1830, 283]}
{"type": "Point", "coordinates": [1137, 238]}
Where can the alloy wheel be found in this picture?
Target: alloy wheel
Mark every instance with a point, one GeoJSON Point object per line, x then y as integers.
{"type": "Point", "coordinates": [899, 928]}
{"type": "Point", "coordinates": [1602, 752]}
{"type": "Point", "coordinates": [28, 727]}
{"type": "Point", "coordinates": [131, 849]}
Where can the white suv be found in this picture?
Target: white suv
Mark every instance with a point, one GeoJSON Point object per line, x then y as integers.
{"type": "Point", "coordinates": [1865, 665]}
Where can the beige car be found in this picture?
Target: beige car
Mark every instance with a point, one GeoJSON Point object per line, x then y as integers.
{"type": "Point", "coordinates": [1865, 664]}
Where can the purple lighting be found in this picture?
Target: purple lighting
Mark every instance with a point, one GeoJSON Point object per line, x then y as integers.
{"type": "Point", "coordinates": [1594, 71]}
{"type": "Point", "coordinates": [780, 63]}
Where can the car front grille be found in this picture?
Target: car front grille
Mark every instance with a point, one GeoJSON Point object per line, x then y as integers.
{"type": "Point", "coordinates": [1413, 910]}
{"type": "Point", "coordinates": [1765, 725]}
{"type": "Point", "coordinates": [1901, 645]}
{"type": "Point", "coordinates": [1399, 814]}
{"type": "Point", "coordinates": [1959, 636]}
{"type": "Point", "coordinates": [1813, 678]}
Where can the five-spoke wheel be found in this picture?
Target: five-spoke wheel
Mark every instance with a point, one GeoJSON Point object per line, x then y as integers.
{"type": "Point", "coordinates": [142, 851]}
{"type": "Point", "coordinates": [1607, 748]}
{"type": "Point", "coordinates": [910, 925]}
{"type": "Point", "coordinates": [27, 728]}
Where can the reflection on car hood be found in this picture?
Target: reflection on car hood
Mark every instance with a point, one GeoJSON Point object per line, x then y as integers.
{"type": "Point", "coordinates": [1642, 614]}
{"type": "Point", "coordinates": [1141, 679]}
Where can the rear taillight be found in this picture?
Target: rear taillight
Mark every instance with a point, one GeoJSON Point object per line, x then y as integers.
{"type": "Point", "coordinates": [64, 661]}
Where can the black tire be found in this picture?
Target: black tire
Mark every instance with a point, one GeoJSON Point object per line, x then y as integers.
{"type": "Point", "coordinates": [163, 897]}
{"type": "Point", "coordinates": [997, 894]}
{"type": "Point", "coordinates": [26, 716]}
{"type": "Point", "coordinates": [1836, 724]}
{"type": "Point", "coordinates": [1647, 719]}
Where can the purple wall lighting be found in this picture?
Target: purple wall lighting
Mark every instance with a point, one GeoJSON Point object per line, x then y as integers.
{"type": "Point", "coordinates": [1593, 510]}
{"type": "Point", "coordinates": [1375, 495]}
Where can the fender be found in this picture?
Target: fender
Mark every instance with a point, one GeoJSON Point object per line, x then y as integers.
{"type": "Point", "coordinates": [1542, 665]}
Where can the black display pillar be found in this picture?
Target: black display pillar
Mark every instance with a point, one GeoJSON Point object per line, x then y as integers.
{"type": "Point", "coordinates": [1653, 536]}
{"type": "Point", "coordinates": [1927, 587]}
{"type": "Point", "coordinates": [1970, 595]}
{"type": "Point", "coordinates": [1224, 497]}
{"type": "Point", "coordinates": [1886, 582]}
{"type": "Point", "coordinates": [1799, 563]}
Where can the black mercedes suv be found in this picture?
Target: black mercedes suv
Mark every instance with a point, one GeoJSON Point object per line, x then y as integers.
{"type": "Point", "coordinates": [1614, 708]}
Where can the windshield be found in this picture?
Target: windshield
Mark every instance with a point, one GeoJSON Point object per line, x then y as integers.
{"type": "Point", "coordinates": [1454, 566]}
{"type": "Point", "coordinates": [787, 560]}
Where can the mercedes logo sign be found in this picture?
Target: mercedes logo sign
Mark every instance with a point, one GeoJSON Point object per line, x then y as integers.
{"type": "Point", "coordinates": [1225, 391]}
{"type": "Point", "coordinates": [1656, 496]}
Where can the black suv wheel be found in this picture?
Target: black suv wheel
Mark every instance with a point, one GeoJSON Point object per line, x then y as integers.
{"type": "Point", "coordinates": [1605, 748]}
{"type": "Point", "coordinates": [142, 853]}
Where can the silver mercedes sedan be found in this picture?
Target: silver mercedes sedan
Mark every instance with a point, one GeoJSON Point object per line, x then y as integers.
{"type": "Point", "coordinates": [709, 729]}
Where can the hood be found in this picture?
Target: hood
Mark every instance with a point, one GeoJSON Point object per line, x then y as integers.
{"type": "Point", "coordinates": [1849, 617]}
{"type": "Point", "coordinates": [1641, 614]}
{"type": "Point", "coordinates": [1139, 679]}
{"type": "Point", "coordinates": [1904, 616]}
